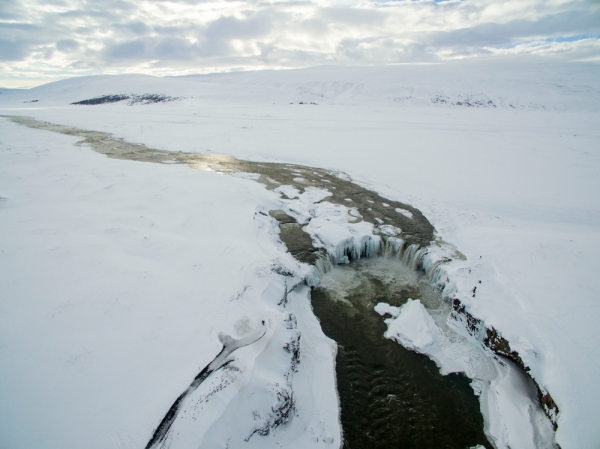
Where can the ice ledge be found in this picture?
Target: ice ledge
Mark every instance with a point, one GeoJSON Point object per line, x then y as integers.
{"type": "Point", "coordinates": [507, 397]}
{"type": "Point", "coordinates": [464, 345]}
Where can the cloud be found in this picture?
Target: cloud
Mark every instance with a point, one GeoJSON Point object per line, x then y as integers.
{"type": "Point", "coordinates": [73, 37]}
{"type": "Point", "coordinates": [131, 50]}
{"type": "Point", "coordinates": [13, 51]}
{"type": "Point", "coordinates": [67, 45]}
{"type": "Point", "coordinates": [136, 28]}
{"type": "Point", "coordinates": [498, 34]}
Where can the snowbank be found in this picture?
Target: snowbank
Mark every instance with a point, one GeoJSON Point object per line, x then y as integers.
{"type": "Point", "coordinates": [412, 326]}
{"type": "Point", "coordinates": [122, 281]}
{"type": "Point", "coordinates": [513, 417]}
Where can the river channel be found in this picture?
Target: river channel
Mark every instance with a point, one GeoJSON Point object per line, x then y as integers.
{"type": "Point", "coordinates": [389, 396]}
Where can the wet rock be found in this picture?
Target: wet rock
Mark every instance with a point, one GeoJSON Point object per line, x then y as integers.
{"type": "Point", "coordinates": [281, 217]}
{"type": "Point", "coordinates": [493, 339]}
{"type": "Point", "coordinates": [299, 243]}
{"type": "Point", "coordinates": [131, 99]}
{"type": "Point", "coordinates": [103, 99]}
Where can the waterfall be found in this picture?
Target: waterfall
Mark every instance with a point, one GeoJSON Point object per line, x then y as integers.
{"type": "Point", "coordinates": [421, 259]}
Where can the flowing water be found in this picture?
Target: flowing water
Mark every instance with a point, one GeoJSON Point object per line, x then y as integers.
{"type": "Point", "coordinates": [389, 396]}
{"type": "Point", "coordinates": [373, 208]}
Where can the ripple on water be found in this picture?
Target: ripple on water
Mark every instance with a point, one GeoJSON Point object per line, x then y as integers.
{"type": "Point", "coordinates": [390, 396]}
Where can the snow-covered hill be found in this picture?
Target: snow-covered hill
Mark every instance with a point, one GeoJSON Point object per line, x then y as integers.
{"type": "Point", "coordinates": [550, 86]}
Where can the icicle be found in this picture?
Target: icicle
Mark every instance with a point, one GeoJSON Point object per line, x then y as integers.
{"type": "Point", "coordinates": [313, 277]}
{"type": "Point", "coordinates": [424, 259]}
{"type": "Point", "coordinates": [355, 248]}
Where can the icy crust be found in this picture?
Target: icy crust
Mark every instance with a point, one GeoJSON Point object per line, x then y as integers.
{"type": "Point", "coordinates": [456, 341]}
{"type": "Point", "coordinates": [343, 241]}
{"type": "Point", "coordinates": [411, 325]}
{"type": "Point", "coordinates": [513, 418]}
{"type": "Point", "coordinates": [509, 403]}
{"type": "Point", "coordinates": [277, 387]}
{"type": "Point", "coordinates": [333, 227]}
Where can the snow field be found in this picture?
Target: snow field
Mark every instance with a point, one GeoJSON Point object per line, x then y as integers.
{"type": "Point", "coordinates": [514, 190]}
{"type": "Point", "coordinates": [115, 290]}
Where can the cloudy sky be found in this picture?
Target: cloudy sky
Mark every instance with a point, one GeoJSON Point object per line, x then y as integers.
{"type": "Point", "coordinates": [44, 40]}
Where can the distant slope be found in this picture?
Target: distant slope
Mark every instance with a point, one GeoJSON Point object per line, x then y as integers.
{"type": "Point", "coordinates": [550, 86]}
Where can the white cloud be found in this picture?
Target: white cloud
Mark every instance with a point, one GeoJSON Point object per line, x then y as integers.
{"type": "Point", "coordinates": [48, 39]}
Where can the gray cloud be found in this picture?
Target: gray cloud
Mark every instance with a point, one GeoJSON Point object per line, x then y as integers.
{"type": "Point", "coordinates": [172, 35]}
{"type": "Point", "coordinates": [233, 28]}
{"type": "Point", "coordinates": [498, 34]}
{"type": "Point", "coordinates": [16, 27]}
{"type": "Point", "coordinates": [353, 17]}
{"type": "Point", "coordinates": [67, 45]}
{"type": "Point", "coordinates": [136, 27]}
{"type": "Point", "coordinates": [13, 51]}
{"type": "Point", "coordinates": [135, 49]}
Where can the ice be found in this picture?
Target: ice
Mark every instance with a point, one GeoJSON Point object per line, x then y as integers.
{"type": "Point", "coordinates": [389, 230]}
{"type": "Point", "coordinates": [288, 191]}
{"type": "Point", "coordinates": [342, 240]}
{"type": "Point", "coordinates": [243, 175]}
{"type": "Point", "coordinates": [513, 416]}
{"type": "Point", "coordinates": [404, 212]}
{"type": "Point", "coordinates": [413, 327]}
{"type": "Point", "coordinates": [383, 308]}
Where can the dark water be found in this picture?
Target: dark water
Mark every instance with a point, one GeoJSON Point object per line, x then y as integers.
{"type": "Point", "coordinates": [390, 397]}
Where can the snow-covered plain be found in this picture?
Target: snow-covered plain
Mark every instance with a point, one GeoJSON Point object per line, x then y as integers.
{"type": "Point", "coordinates": [117, 276]}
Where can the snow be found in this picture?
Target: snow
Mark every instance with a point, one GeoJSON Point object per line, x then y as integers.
{"type": "Point", "coordinates": [117, 291]}
{"type": "Point", "coordinates": [413, 326]}
{"type": "Point", "coordinates": [508, 399]}
{"type": "Point", "coordinates": [105, 319]}
{"type": "Point", "coordinates": [332, 231]}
